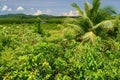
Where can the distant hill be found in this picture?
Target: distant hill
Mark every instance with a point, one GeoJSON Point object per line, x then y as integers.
{"type": "Point", "coordinates": [23, 18]}
{"type": "Point", "coordinates": [20, 15]}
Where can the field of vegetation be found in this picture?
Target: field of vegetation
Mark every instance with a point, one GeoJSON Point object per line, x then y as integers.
{"type": "Point", "coordinates": [86, 47]}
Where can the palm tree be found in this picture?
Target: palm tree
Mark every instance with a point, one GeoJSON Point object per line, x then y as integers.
{"type": "Point", "coordinates": [94, 20]}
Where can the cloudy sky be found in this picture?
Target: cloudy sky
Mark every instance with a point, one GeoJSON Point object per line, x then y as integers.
{"type": "Point", "coordinates": [52, 7]}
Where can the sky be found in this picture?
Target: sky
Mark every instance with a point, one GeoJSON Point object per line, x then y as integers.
{"type": "Point", "coordinates": [50, 7]}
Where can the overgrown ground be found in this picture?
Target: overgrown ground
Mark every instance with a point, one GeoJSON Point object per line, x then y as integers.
{"type": "Point", "coordinates": [55, 54]}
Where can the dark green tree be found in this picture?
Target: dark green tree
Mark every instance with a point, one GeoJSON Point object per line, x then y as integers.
{"type": "Point", "coordinates": [39, 28]}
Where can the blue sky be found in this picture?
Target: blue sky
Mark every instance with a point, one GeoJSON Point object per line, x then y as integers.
{"type": "Point", "coordinates": [52, 7]}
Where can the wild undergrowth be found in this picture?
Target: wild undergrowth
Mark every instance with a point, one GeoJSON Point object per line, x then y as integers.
{"type": "Point", "coordinates": [26, 55]}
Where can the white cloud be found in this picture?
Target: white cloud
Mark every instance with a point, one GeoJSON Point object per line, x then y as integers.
{"type": "Point", "coordinates": [32, 8]}
{"type": "Point", "coordinates": [5, 8]}
{"type": "Point", "coordinates": [48, 11]}
{"type": "Point", "coordinates": [20, 8]}
{"type": "Point", "coordinates": [38, 12]}
{"type": "Point", "coordinates": [64, 14]}
{"type": "Point", "coordinates": [9, 9]}
{"type": "Point", "coordinates": [70, 13]}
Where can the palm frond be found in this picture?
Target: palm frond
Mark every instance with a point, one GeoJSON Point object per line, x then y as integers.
{"type": "Point", "coordinates": [107, 24]}
{"type": "Point", "coordinates": [104, 13]}
{"type": "Point", "coordinates": [81, 13]}
{"type": "Point", "coordinates": [96, 5]}
{"type": "Point", "coordinates": [91, 24]}
{"type": "Point", "coordinates": [110, 10]}
{"type": "Point", "coordinates": [94, 9]}
{"type": "Point", "coordinates": [87, 8]}
{"type": "Point", "coordinates": [107, 11]}
{"type": "Point", "coordinates": [89, 36]}
{"type": "Point", "coordinates": [77, 28]}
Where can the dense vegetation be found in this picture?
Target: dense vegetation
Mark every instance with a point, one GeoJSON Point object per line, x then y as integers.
{"type": "Point", "coordinates": [23, 18]}
{"type": "Point", "coordinates": [78, 48]}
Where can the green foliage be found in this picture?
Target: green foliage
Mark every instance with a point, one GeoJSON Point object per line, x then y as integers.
{"type": "Point", "coordinates": [54, 54]}
{"type": "Point", "coordinates": [118, 32]}
{"type": "Point", "coordinates": [39, 29]}
{"type": "Point", "coordinates": [94, 20]}
{"type": "Point", "coordinates": [22, 18]}
{"type": "Point", "coordinates": [28, 56]}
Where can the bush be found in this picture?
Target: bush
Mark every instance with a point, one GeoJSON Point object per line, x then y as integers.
{"type": "Point", "coordinates": [27, 55]}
